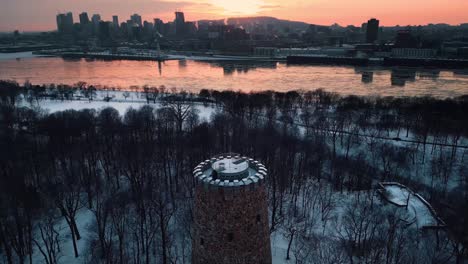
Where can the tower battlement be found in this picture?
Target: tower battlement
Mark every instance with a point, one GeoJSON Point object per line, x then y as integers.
{"type": "Point", "coordinates": [230, 172]}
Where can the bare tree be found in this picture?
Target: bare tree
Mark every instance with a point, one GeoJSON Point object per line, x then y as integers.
{"type": "Point", "coordinates": [48, 241]}
{"type": "Point", "coordinates": [68, 201]}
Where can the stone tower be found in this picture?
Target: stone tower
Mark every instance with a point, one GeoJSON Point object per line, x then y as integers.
{"type": "Point", "coordinates": [230, 213]}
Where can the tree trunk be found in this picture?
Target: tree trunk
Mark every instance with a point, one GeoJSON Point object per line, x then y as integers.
{"type": "Point", "coordinates": [75, 228]}
{"type": "Point", "coordinates": [163, 238]}
{"type": "Point", "coordinates": [289, 244]}
{"type": "Point", "coordinates": [75, 248]}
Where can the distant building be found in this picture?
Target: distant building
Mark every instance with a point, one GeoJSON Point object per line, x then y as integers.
{"type": "Point", "coordinates": [265, 52]}
{"type": "Point", "coordinates": [179, 21]}
{"type": "Point", "coordinates": [404, 39]}
{"type": "Point", "coordinates": [462, 52]}
{"type": "Point", "coordinates": [190, 28]}
{"type": "Point", "coordinates": [134, 31]}
{"type": "Point", "coordinates": [95, 19]}
{"type": "Point", "coordinates": [159, 26]}
{"type": "Point", "coordinates": [104, 30]}
{"type": "Point", "coordinates": [227, 33]}
{"type": "Point", "coordinates": [136, 19]}
{"type": "Point", "coordinates": [115, 21]}
{"type": "Point", "coordinates": [372, 30]}
{"type": "Point", "coordinates": [84, 19]}
{"type": "Point", "coordinates": [65, 23]}
{"type": "Point", "coordinates": [236, 34]}
{"type": "Point", "coordinates": [148, 29]}
{"type": "Point", "coordinates": [123, 29]}
{"type": "Point", "coordinates": [364, 27]}
{"type": "Point", "coordinates": [60, 18]}
{"type": "Point", "coordinates": [454, 49]}
{"type": "Point", "coordinates": [284, 52]}
{"type": "Point", "coordinates": [169, 28]}
{"type": "Point", "coordinates": [129, 29]}
{"type": "Point", "coordinates": [413, 53]}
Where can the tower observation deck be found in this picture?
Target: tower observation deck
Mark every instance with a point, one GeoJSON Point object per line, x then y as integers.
{"type": "Point", "coordinates": [230, 212]}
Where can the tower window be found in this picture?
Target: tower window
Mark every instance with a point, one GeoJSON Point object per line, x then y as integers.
{"type": "Point", "coordinates": [230, 237]}
{"type": "Point", "coordinates": [259, 218]}
{"type": "Point", "coordinates": [202, 242]}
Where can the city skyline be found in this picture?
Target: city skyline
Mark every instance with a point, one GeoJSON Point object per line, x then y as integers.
{"type": "Point", "coordinates": [39, 15]}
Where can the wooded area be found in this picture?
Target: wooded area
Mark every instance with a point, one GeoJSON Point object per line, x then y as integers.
{"type": "Point", "coordinates": [323, 152]}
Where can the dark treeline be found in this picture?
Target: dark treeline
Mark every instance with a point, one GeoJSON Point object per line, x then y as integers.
{"type": "Point", "coordinates": [133, 172]}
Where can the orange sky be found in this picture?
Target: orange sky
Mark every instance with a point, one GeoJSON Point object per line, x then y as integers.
{"type": "Point", "coordinates": [40, 14]}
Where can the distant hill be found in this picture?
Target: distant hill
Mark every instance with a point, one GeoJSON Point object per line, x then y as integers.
{"type": "Point", "coordinates": [265, 20]}
{"type": "Point", "coordinates": [212, 21]}
{"type": "Point", "coordinates": [250, 22]}
{"type": "Point", "coordinates": [280, 24]}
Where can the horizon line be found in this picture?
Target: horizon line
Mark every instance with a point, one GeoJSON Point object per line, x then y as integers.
{"type": "Point", "coordinates": [225, 18]}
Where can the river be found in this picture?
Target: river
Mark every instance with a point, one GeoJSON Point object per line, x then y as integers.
{"type": "Point", "coordinates": [245, 76]}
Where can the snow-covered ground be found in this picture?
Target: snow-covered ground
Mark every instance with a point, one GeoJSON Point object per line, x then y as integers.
{"type": "Point", "coordinates": [85, 221]}
{"type": "Point", "coordinates": [56, 106]}
{"type": "Point", "coordinates": [279, 248]}
{"type": "Point", "coordinates": [204, 112]}
{"type": "Point", "coordinates": [17, 55]}
{"type": "Point", "coordinates": [417, 208]}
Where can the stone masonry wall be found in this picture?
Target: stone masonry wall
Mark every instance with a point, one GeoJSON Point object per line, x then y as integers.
{"type": "Point", "coordinates": [231, 227]}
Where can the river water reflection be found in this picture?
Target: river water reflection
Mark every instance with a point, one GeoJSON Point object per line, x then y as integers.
{"type": "Point", "coordinates": [238, 75]}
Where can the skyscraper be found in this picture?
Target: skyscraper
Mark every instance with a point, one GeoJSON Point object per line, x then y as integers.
{"type": "Point", "coordinates": [180, 17]}
{"type": "Point", "coordinates": [69, 19]}
{"type": "Point", "coordinates": [179, 23]}
{"type": "Point", "coordinates": [159, 26]}
{"type": "Point", "coordinates": [364, 27]}
{"type": "Point", "coordinates": [65, 23]}
{"type": "Point", "coordinates": [96, 18]}
{"type": "Point", "coordinates": [84, 19]}
{"type": "Point", "coordinates": [115, 21]}
{"type": "Point", "coordinates": [60, 18]}
{"type": "Point", "coordinates": [136, 19]}
{"type": "Point", "coordinates": [372, 31]}
{"type": "Point", "coordinates": [104, 30]}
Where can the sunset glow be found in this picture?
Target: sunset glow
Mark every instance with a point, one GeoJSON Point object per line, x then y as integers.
{"type": "Point", "coordinates": [239, 7]}
{"type": "Point", "coordinates": [40, 14]}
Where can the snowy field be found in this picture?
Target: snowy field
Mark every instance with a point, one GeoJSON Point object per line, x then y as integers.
{"type": "Point", "coordinates": [279, 247]}
{"type": "Point", "coordinates": [85, 221]}
{"type": "Point", "coordinates": [417, 208]}
{"type": "Point", "coordinates": [17, 55]}
{"type": "Point", "coordinates": [56, 106]}
{"type": "Point", "coordinates": [52, 106]}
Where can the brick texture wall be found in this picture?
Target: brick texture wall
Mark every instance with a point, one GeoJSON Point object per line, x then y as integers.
{"type": "Point", "coordinates": [231, 227]}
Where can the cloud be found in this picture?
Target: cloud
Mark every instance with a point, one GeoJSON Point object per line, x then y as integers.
{"type": "Point", "coordinates": [270, 7]}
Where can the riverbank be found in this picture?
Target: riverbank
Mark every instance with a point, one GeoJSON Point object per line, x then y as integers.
{"type": "Point", "coordinates": [155, 56]}
{"type": "Point", "coordinates": [26, 48]}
